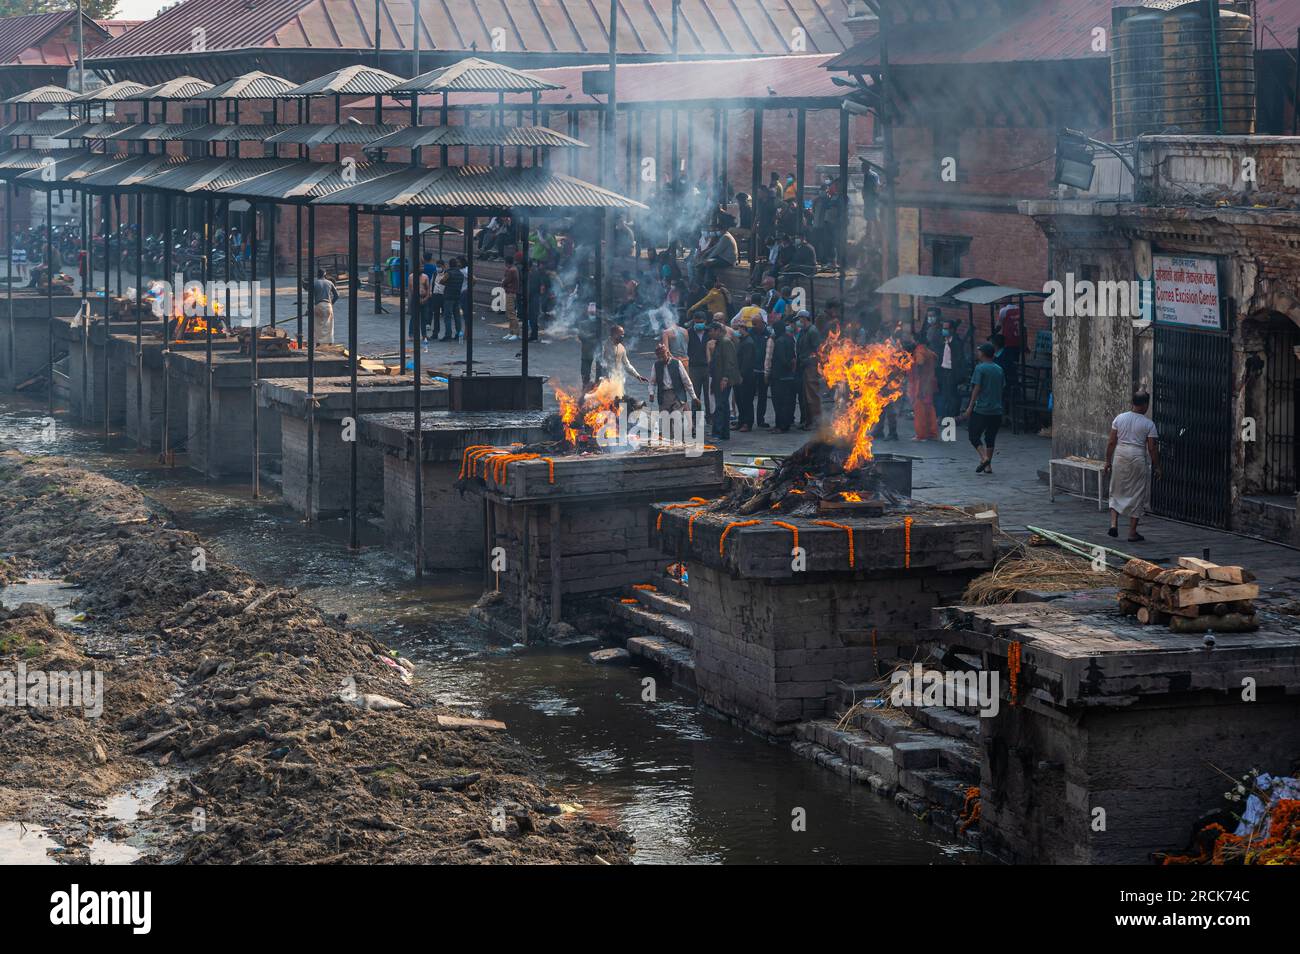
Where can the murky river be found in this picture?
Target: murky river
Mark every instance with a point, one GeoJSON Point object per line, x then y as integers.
{"type": "Point", "coordinates": [690, 787]}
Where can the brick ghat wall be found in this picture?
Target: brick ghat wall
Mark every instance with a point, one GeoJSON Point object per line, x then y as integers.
{"type": "Point", "coordinates": [580, 526]}
{"type": "Point", "coordinates": [771, 641]}
{"type": "Point", "coordinates": [1120, 735]}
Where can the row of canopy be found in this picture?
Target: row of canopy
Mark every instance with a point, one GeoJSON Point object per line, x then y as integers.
{"type": "Point", "coordinates": [377, 136]}
{"type": "Point", "coordinates": [471, 75]}
{"type": "Point", "coordinates": [379, 185]}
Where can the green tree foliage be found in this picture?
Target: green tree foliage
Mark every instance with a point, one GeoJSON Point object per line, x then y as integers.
{"type": "Point", "coordinates": [98, 9]}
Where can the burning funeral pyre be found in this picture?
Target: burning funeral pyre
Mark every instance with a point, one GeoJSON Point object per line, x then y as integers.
{"type": "Point", "coordinates": [835, 470]}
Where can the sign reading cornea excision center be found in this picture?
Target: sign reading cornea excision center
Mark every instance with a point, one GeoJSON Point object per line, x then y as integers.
{"type": "Point", "coordinates": [1187, 291]}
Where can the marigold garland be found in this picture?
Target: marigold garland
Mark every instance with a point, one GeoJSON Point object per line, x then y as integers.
{"type": "Point", "coordinates": [732, 526]}
{"type": "Point", "coordinates": [693, 502]}
{"type": "Point", "coordinates": [550, 469]}
{"type": "Point", "coordinates": [1217, 846]}
{"type": "Point", "coordinates": [647, 587]}
{"type": "Point", "coordinates": [907, 541]}
{"type": "Point", "coordinates": [464, 456]}
{"type": "Point", "coordinates": [1013, 672]}
{"type": "Point", "coordinates": [840, 526]}
{"type": "Point", "coordinates": [792, 528]}
{"type": "Point", "coordinates": [970, 809]}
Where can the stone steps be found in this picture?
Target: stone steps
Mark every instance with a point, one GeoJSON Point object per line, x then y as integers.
{"type": "Point", "coordinates": [661, 602]}
{"type": "Point", "coordinates": [653, 621]}
{"type": "Point", "coordinates": [669, 656]}
{"type": "Point", "coordinates": [674, 587]}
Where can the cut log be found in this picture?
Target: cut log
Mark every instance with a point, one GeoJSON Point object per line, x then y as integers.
{"type": "Point", "coordinates": [1143, 569]}
{"type": "Point", "coordinates": [1179, 578]}
{"type": "Point", "coordinates": [1150, 617]}
{"type": "Point", "coordinates": [1213, 571]}
{"type": "Point", "coordinates": [1218, 593]}
{"type": "Point", "coordinates": [1232, 623]}
{"type": "Point", "coordinates": [1129, 607]}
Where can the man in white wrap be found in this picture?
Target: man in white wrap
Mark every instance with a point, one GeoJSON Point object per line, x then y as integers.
{"type": "Point", "coordinates": [1132, 457]}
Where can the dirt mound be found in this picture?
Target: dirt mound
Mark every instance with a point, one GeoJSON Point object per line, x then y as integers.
{"type": "Point", "coordinates": [298, 740]}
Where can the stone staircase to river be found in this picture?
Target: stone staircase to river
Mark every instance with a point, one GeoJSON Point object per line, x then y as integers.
{"type": "Point", "coordinates": [927, 758]}
{"type": "Point", "coordinates": [659, 618]}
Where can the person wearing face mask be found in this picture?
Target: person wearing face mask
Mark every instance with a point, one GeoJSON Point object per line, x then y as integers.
{"type": "Point", "coordinates": [697, 354]}
{"type": "Point", "coordinates": [952, 368]}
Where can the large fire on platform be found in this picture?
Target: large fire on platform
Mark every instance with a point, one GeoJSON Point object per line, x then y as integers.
{"type": "Point", "coordinates": [583, 421]}
{"type": "Point", "coordinates": [835, 469]}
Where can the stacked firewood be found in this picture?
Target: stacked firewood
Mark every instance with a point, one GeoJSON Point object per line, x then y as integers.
{"type": "Point", "coordinates": [1195, 597]}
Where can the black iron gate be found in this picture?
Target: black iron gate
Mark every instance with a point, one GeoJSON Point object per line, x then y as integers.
{"type": "Point", "coordinates": [1282, 412]}
{"type": "Point", "coordinates": [1192, 408]}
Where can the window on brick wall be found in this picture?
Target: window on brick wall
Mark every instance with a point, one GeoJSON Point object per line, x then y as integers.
{"type": "Point", "coordinates": [195, 115]}
{"type": "Point", "coordinates": [946, 252]}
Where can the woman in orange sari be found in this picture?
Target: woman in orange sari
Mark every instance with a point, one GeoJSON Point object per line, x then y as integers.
{"type": "Point", "coordinates": [920, 389]}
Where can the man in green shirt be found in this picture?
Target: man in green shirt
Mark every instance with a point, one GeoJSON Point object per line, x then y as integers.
{"type": "Point", "coordinates": [985, 408]}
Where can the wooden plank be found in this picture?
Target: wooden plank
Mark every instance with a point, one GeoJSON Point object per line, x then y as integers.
{"type": "Point", "coordinates": [1217, 594]}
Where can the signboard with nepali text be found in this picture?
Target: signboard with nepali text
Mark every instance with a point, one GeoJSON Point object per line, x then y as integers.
{"type": "Point", "coordinates": [1187, 291]}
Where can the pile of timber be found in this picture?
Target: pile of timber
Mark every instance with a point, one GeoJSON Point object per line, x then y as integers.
{"type": "Point", "coordinates": [270, 341]}
{"type": "Point", "coordinates": [1195, 597]}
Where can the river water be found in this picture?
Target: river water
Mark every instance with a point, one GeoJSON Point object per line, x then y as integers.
{"type": "Point", "coordinates": [692, 788]}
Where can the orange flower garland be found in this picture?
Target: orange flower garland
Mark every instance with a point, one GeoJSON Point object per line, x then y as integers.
{"type": "Point", "coordinates": [840, 526]}
{"type": "Point", "coordinates": [1013, 672]}
{"type": "Point", "coordinates": [732, 526]}
{"type": "Point", "coordinates": [792, 528]}
{"type": "Point", "coordinates": [907, 541]}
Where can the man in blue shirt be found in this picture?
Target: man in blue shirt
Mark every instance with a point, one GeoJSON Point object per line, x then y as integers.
{"type": "Point", "coordinates": [985, 408]}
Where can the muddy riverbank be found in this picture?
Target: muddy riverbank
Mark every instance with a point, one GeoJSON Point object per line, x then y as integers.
{"type": "Point", "coordinates": [283, 735]}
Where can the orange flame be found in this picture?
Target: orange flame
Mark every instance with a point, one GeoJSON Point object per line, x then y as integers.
{"type": "Point", "coordinates": [852, 496]}
{"type": "Point", "coordinates": [592, 413]}
{"type": "Point", "coordinates": [873, 376]}
{"type": "Point", "coordinates": [189, 312]}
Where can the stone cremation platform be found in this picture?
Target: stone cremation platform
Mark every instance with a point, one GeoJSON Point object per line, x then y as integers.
{"type": "Point", "coordinates": [25, 339]}
{"type": "Point", "coordinates": [232, 405]}
{"type": "Point", "coordinates": [453, 522]}
{"type": "Point", "coordinates": [87, 366]}
{"type": "Point", "coordinates": [1114, 738]}
{"type": "Point", "coordinates": [577, 526]}
{"type": "Point", "coordinates": [124, 368]}
{"type": "Point", "coordinates": [327, 492]}
{"type": "Point", "coordinates": [785, 607]}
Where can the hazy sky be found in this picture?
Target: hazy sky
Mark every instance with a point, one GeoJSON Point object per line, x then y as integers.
{"type": "Point", "coordinates": [138, 9]}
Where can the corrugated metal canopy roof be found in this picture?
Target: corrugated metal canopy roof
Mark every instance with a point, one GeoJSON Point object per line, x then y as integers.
{"type": "Point", "coordinates": [481, 187]}
{"type": "Point", "coordinates": [113, 92]}
{"type": "Point", "coordinates": [180, 88]}
{"type": "Point", "coordinates": [473, 75]}
{"type": "Point", "coordinates": [928, 286]}
{"type": "Point", "coordinates": [133, 172]}
{"type": "Point", "coordinates": [16, 161]}
{"type": "Point", "coordinates": [332, 134]}
{"type": "Point", "coordinates": [30, 39]}
{"type": "Point", "coordinates": [157, 132]}
{"type": "Point", "coordinates": [355, 80]}
{"type": "Point", "coordinates": [210, 174]}
{"type": "Point", "coordinates": [42, 95]}
{"type": "Point", "coordinates": [772, 79]}
{"type": "Point", "coordinates": [254, 85]}
{"type": "Point", "coordinates": [304, 181]}
{"type": "Point", "coordinates": [39, 127]}
{"type": "Point", "coordinates": [707, 27]}
{"type": "Point", "coordinates": [216, 132]}
{"type": "Point", "coordinates": [96, 131]}
{"type": "Point", "coordinates": [1042, 30]}
{"type": "Point", "coordinates": [989, 294]}
{"type": "Point", "coordinates": [66, 173]}
{"type": "Point", "coordinates": [526, 136]}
